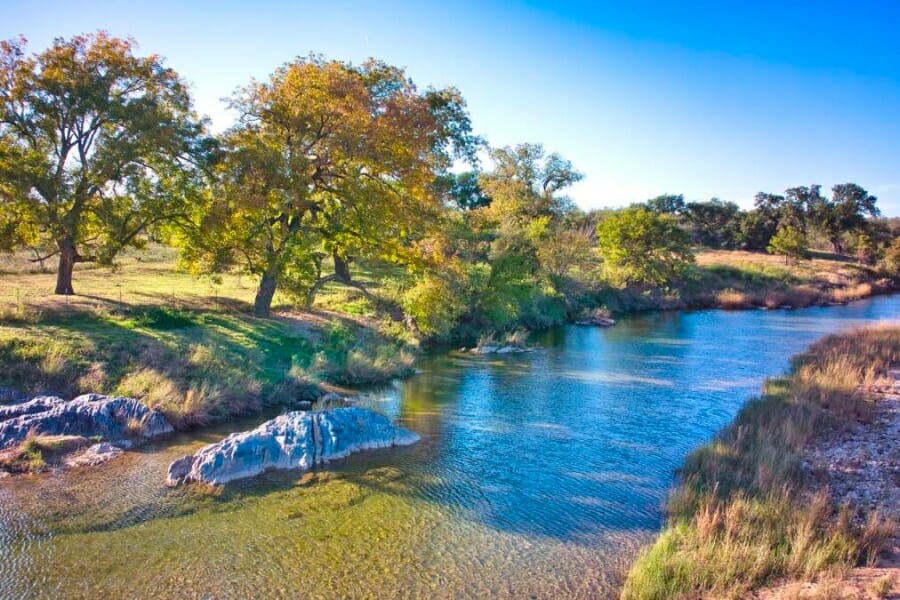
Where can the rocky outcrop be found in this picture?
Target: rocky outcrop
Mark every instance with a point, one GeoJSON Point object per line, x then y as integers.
{"type": "Point", "coordinates": [88, 416]}
{"type": "Point", "coordinates": [35, 405]}
{"type": "Point", "coordinates": [296, 440]}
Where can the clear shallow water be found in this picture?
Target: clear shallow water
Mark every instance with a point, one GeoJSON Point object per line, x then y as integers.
{"type": "Point", "coordinates": [538, 475]}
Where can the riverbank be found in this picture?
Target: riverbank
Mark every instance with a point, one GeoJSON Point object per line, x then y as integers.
{"type": "Point", "coordinates": [767, 502]}
{"type": "Point", "coordinates": [737, 280]}
{"type": "Point", "coordinates": [190, 348]}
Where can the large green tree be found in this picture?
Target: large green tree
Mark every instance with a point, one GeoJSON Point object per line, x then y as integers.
{"type": "Point", "coordinates": [329, 161]}
{"type": "Point", "coordinates": [642, 247]}
{"type": "Point", "coordinates": [92, 141]}
{"type": "Point", "coordinates": [844, 213]}
{"type": "Point", "coordinates": [714, 223]}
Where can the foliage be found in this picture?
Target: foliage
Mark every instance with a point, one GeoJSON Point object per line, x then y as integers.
{"type": "Point", "coordinates": [714, 223]}
{"type": "Point", "coordinates": [892, 258]}
{"type": "Point", "coordinates": [95, 147]}
{"type": "Point", "coordinates": [757, 227]}
{"type": "Point", "coordinates": [462, 190]}
{"type": "Point", "coordinates": [845, 213]}
{"type": "Point", "coordinates": [328, 159]}
{"type": "Point", "coordinates": [789, 242]}
{"type": "Point", "coordinates": [666, 203]}
{"type": "Point", "coordinates": [434, 304]}
{"type": "Point", "coordinates": [642, 247]}
{"type": "Point", "coordinates": [525, 185]}
{"type": "Point", "coordinates": [352, 357]}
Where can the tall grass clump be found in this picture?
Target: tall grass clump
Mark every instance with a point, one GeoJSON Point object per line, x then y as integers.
{"type": "Point", "coordinates": [741, 515]}
{"type": "Point", "coordinates": [350, 356]}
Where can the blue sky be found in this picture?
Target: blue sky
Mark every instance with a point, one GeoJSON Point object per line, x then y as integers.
{"type": "Point", "coordinates": [706, 99]}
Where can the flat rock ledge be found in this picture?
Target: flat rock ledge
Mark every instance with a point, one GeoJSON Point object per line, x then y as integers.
{"type": "Point", "coordinates": [94, 455]}
{"type": "Point", "coordinates": [89, 416]}
{"type": "Point", "coordinates": [295, 440]}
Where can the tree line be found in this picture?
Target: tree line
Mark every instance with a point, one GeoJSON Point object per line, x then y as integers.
{"type": "Point", "coordinates": [330, 165]}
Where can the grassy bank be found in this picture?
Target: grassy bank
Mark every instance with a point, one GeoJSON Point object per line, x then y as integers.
{"type": "Point", "coordinates": [197, 366]}
{"type": "Point", "coordinates": [742, 515]}
{"type": "Point", "coordinates": [734, 280]}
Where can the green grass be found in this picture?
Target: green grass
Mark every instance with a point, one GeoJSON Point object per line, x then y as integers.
{"type": "Point", "coordinates": [741, 515]}
{"type": "Point", "coordinates": [186, 345]}
{"type": "Point", "coordinates": [196, 367]}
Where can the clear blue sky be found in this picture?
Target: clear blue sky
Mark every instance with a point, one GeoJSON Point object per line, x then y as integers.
{"type": "Point", "coordinates": [701, 98]}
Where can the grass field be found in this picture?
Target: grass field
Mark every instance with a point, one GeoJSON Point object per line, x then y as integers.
{"type": "Point", "coordinates": [186, 345]}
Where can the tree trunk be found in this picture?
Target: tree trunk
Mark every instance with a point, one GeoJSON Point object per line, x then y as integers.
{"type": "Point", "coordinates": [68, 256]}
{"type": "Point", "coordinates": [341, 268]}
{"type": "Point", "coordinates": [837, 246]}
{"type": "Point", "coordinates": [262, 305]}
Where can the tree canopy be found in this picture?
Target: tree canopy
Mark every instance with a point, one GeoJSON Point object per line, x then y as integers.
{"type": "Point", "coordinates": [329, 159]}
{"type": "Point", "coordinates": [642, 247]}
{"type": "Point", "coordinates": [95, 145]}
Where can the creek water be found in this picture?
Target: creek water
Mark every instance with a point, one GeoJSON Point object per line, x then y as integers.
{"type": "Point", "coordinates": [538, 475]}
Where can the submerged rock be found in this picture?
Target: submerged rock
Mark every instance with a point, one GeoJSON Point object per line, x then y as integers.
{"type": "Point", "coordinates": [500, 350]}
{"type": "Point", "coordinates": [90, 415]}
{"type": "Point", "coordinates": [296, 440]}
{"type": "Point", "coordinates": [597, 321]}
{"type": "Point", "coordinates": [94, 455]}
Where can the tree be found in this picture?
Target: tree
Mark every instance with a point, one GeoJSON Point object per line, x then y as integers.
{"type": "Point", "coordinates": [791, 209]}
{"type": "Point", "coordinates": [328, 160]}
{"type": "Point", "coordinates": [892, 258]}
{"type": "Point", "coordinates": [866, 250]}
{"type": "Point", "coordinates": [91, 142]}
{"type": "Point", "coordinates": [642, 247]}
{"type": "Point", "coordinates": [715, 223]}
{"type": "Point", "coordinates": [790, 242]}
{"type": "Point", "coordinates": [666, 203]}
{"type": "Point", "coordinates": [756, 229]}
{"type": "Point", "coordinates": [845, 212]}
{"type": "Point", "coordinates": [525, 184]}
{"type": "Point", "coordinates": [462, 190]}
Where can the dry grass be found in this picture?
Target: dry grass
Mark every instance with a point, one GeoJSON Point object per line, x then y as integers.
{"type": "Point", "coordinates": [740, 518]}
{"type": "Point", "coordinates": [881, 588]}
{"type": "Point", "coordinates": [37, 452]}
{"type": "Point", "coordinates": [739, 280]}
{"type": "Point", "coordinates": [732, 299]}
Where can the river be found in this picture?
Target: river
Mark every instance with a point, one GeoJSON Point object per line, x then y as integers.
{"type": "Point", "coordinates": [539, 475]}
